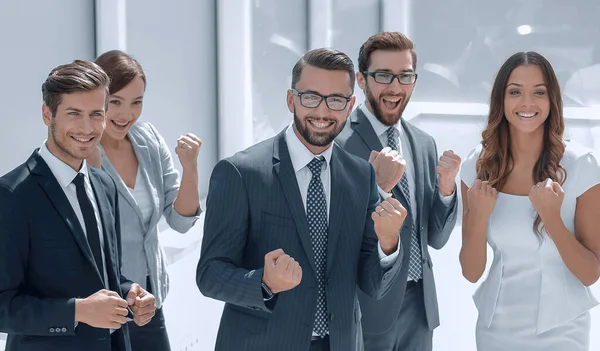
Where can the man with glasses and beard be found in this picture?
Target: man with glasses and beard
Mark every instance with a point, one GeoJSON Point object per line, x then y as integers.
{"type": "Point", "coordinates": [294, 224]}
{"type": "Point", "coordinates": [405, 318]}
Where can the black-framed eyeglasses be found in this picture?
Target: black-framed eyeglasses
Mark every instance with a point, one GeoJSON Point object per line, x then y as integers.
{"type": "Point", "coordinates": [406, 78]}
{"type": "Point", "coordinates": [313, 100]}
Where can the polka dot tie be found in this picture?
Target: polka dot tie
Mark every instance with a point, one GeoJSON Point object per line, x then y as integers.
{"type": "Point", "coordinates": [316, 213]}
{"type": "Point", "coordinates": [415, 269]}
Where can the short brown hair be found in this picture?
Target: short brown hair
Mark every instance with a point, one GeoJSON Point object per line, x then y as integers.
{"type": "Point", "coordinates": [324, 58]}
{"type": "Point", "coordinates": [78, 76]}
{"type": "Point", "coordinates": [121, 68]}
{"type": "Point", "coordinates": [389, 41]}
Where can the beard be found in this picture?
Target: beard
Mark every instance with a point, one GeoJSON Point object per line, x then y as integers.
{"type": "Point", "coordinates": [63, 147]}
{"type": "Point", "coordinates": [319, 139]}
{"type": "Point", "coordinates": [389, 119]}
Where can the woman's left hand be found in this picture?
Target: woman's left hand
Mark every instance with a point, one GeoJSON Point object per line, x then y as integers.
{"type": "Point", "coordinates": [188, 147]}
{"type": "Point", "coordinates": [547, 198]}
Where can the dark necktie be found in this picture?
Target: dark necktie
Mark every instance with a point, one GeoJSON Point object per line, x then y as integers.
{"type": "Point", "coordinates": [415, 270]}
{"type": "Point", "coordinates": [89, 218]}
{"type": "Point", "coordinates": [316, 212]}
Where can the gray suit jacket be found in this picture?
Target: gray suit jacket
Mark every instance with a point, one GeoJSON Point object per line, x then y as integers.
{"type": "Point", "coordinates": [254, 206]}
{"type": "Point", "coordinates": [156, 166]}
{"type": "Point", "coordinates": [435, 220]}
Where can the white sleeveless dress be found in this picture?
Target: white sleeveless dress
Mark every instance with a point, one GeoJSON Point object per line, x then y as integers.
{"type": "Point", "coordinates": [530, 301]}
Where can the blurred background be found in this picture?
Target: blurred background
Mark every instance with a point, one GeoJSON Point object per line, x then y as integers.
{"type": "Point", "coordinates": [221, 68]}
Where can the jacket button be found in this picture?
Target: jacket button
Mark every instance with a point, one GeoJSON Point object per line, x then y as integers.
{"type": "Point", "coordinates": [424, 261]}
{"type": "Point", "coordinates": [51, 330]}
{"type": "Point", "coordinates": [64, 330]}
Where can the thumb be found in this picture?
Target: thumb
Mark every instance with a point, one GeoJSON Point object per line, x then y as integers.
{"type": "Point", "coordinates": [373, 156]}
{"type": "Point", "coordinates": [134, 291]}
{"type": "Point", "coordinates": [557, 188]}
{"type": "Point", "coordinates": [274, 255]}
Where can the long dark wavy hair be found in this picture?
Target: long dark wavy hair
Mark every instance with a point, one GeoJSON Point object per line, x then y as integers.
{"type": "Point", "coordinates": [496, 160]}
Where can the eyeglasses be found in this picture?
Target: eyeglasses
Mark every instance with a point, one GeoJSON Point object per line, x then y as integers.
{"type": "Point", "coordinates": [313, 100]}
{"type": "Point", "coordinates": [405, 78]}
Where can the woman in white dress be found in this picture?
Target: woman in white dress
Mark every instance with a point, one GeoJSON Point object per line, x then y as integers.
{"type": "Point", "coordinates": [534, 198]}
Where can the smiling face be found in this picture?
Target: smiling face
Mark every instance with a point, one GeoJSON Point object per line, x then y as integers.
{"type": "Point", "coordinates": [387, 101]}
{"type": "Point", "coordinates": [317, 127]}
{"type": "Point", "coordinates": [125, 107]}
{"type": "Point", "coordinates": [526, 101]}
{"type": "Point", "coordinates": [76, 127]}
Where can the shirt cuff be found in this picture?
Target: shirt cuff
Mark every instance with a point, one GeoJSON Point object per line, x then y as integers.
{"type": "Point", "coordinates": [388, 261]}
{"type": "Point", "coordinates": [383, 194]}
{"type": "Point", "coordinates": [446, 200]}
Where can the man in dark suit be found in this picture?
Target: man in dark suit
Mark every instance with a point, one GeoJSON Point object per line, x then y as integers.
{"type": "Point", "coordinates": [405, 318]}
{"type": "Point", "coordinates": [61, 286]}
{"type": "Point", "coordinates": [293, 225]}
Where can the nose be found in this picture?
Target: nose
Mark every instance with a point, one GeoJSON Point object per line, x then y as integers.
{"type": "Point", "coordinates": [87, 126]}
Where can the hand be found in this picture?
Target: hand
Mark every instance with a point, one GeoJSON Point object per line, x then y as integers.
{"type": "Point", "coordinates": [388, 218]}
{"type": "Point", "coordinates": [389, 167]}
{"type": "Point", "coordinates": [547, 198]}
{"type": "Point", "coordinates": [105, 309]}
{"type": "Point", "coordinates": [481, 198]}
{"type": "Point", "coordinates": [447, 168]}
{"type": "Point", "coordinates": [188, 147]}
{"type": "Point", "coordinates": [281, 272]}
{"type": "Point", "coordinates": [142, 304]}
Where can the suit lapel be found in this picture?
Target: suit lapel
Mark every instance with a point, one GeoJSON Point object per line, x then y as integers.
{"type": "Point", "coordinates": [107, 228]}
{"type": "Point", "coordinates": [147, 167]}
{"type": "Point", "coordinates": [282, 164]}
{"type": "Point", "coordinates": [57, 196]}
{"type": "Point", "coordinates": [337, 208]}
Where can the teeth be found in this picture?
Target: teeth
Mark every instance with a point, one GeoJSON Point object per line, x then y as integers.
{"type": "Point", "coordinates": [526, 115]}
{"type": "Point", "coordinates": [82, 140]}
{"type": "Point", "coordinates": [392, 99]}
{"type": "Point", "coordinates": [320, 124]}
{"type": "Point", "coordinates": [120, 124]}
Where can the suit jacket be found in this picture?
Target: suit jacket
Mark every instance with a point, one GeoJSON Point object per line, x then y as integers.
{"type": "Point", "coordinates": [253, 207]}
{"type": "Point", "coordinates": [46, 262]}
{"type": "Point", "coordinates": [161, 177]}
{"type": "Point", "coordinates": [435, 220]}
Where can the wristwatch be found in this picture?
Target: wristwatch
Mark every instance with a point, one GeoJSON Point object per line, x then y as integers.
{"type": "Point", "coordinates": [267, 293]}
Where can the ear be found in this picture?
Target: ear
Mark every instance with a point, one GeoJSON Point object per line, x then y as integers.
{"type": "Point", "coordinates": [351, 105]}
{"type": "Point", "coordinates": [46, 115]}
{"type": "Point", "coordinates": [290, 100]}
{"type": "Point", "coordinates": [361, 80]}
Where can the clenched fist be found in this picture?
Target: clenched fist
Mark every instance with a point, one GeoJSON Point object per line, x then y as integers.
{"type": "Point", "coordinates": [188, 147]}
{"type": "Point", "coordinates": [447, 168]}
{"type": "Point", "coordinates": [388, 218]}
{"type": "Point", "coordinates": [547, 197]}
{"type": "Point", "coordinates": [281, 272]}
{"type": "Point", "coordinates": [481, 198]}
{"type": "Point", "coordinates": [389, 167]}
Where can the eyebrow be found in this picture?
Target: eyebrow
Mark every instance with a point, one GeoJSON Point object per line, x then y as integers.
{"type": "Point", "coordinates": [78, 110]}
{"type": "Point", "coordinates": [120, 98]}
{"type": "Point", "coordinates": [521, 85]}
{"type": "Point", "coordinates": [387, 70]}
{"type": "Point", "coordinates": [316, 92]}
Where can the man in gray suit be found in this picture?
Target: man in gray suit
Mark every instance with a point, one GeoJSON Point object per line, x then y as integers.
{"type": "Point", "coordinates": [405, 318]}
{"type": "Point", "coordinates": [294, 224]}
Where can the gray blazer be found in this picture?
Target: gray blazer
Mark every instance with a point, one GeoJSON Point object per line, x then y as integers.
{"type": "Point", "coordinates": [253, 207]}
{"type": "Point", "coordinates": [156, 166]}
{"type": "Point", "coordinates": [435, 220]}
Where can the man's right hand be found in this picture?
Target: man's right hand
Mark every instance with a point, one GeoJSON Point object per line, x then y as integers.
{"type": "Point", "coordinates": [281, 272]}
{"type": "Point", "coordinates": [389, 167]}
{"type": "Point", "coordinates": [104, 309]}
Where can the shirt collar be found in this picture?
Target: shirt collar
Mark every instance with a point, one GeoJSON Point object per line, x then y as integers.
{"type": "Point", "coordinates": [299, 153]}
{"type": "Point", "coordinates": [379, 127]}
{"type": "Point", "coordinates": [62, 171]}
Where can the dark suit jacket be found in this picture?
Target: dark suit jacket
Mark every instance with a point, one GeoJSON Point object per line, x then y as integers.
{"type": "Point", "coordinates": [254, 206]}
{"type": "Point", "coordinates": [435, 220]}
{"type": "Point", "coordinates": [46, 262]}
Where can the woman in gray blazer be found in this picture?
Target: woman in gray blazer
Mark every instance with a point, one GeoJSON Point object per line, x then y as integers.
{"type": "Point", "coordinates": [138, 159]}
